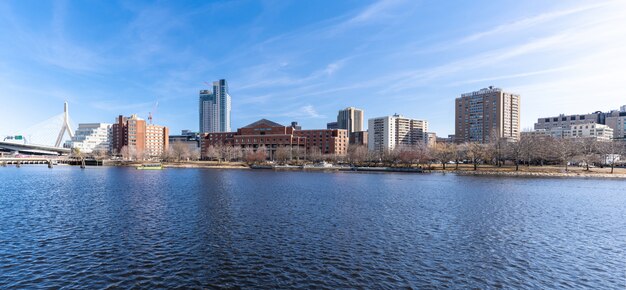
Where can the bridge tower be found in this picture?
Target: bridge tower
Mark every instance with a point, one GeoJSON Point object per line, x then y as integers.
{"type": "Point", "coordinates": [65, 127]}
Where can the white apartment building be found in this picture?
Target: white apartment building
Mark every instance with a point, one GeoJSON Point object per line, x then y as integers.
{"type": "Point", "coordinates": [386, 133]}
{"type": "Point", "coordinates": [598, 131]}
{"type": "Point", "coordinates": [92, 136]}
{"type": "Point", "coordinates": [615, 119]}
{"type": "Point", "coordinates": [586, 130]}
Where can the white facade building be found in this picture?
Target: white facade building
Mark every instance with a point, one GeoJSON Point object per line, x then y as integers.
{"type": "Point", "coordinates": [598, 131]}
{"type": "Point", "coordinates": [386, 133]}
{"type": "Point", "coordinates": [590, 130]}
{"type": "Point", "coordinates": [92, 136]}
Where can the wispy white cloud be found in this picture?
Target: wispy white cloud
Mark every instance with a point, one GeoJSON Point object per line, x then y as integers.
{"type": "Point", "coordinates": [311, 112]}
{"type": "Point", "coordinates": [306, 111]}
{"type": "Point", "coordinates": [531, 22]}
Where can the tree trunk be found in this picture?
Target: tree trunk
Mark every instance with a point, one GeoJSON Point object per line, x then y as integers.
{"type": "Point", "coordinates": [612, 167]}
{"type": "Point", "coordinates": [516, 165]}
{"type": "Point", "coordinates": [566, 166]}
{"type": "Point", "coordinates": [475, 165]}
{"type": "Point", "coordinates": [444, 165]}
{"type": "Point", "coordinates": [457, 165]}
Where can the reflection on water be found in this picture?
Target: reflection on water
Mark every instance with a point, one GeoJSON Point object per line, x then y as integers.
{"type": "Point", "coordinates": [120, 227]}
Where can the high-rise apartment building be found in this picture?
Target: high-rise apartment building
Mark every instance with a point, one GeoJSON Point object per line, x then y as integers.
{"type": "Point", "coordinates": [486, 114]}
{"type": "Point", "coordinates": [350, 119]}
{"type": "Point", "coordinates": [214, 108]}
{"type": "Point", "coordinates": [386, 133]}
{"type": "Point", "coordinates": [92, 136]}
{"type": "Point", "coordinates": [133, 132]}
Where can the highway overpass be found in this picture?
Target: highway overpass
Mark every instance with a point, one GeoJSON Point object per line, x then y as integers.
{"type": "Point", "coordinates": [32, 149]}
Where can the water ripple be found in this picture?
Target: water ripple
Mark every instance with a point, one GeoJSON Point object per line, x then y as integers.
{"type": "Point", "coordinates": [117, 228]}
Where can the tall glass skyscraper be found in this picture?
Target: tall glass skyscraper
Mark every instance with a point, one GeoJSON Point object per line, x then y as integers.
{"type": "Point", "coordinates": [214, 108]}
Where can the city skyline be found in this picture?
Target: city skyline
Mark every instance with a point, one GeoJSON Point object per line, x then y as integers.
{"type": "Point", "coordinates": [556, 55]}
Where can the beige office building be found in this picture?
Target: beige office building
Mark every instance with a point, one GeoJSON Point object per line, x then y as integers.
{"type": "Point", "coordinates": [483, 113]}
{"type": "Point", "coordinates": [157, 139]}
{"type": "Point", "coordinates": [350, 119]}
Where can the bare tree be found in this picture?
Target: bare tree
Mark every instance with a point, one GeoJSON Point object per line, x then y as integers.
{"type": "Point", "coordinates": [237, 153]}
{"type": "Point", "coordinates": [495, 149]}
{"type": "Point", "coordinates": [282, 154]}
{"type": "Point", "coordinates": [564, 149]}
{"type": "Point", "coordinates": [125, 152]}
{"type": "Point", "coordinates": [180, 151]}
{"type": "Point", "coordinates": [298, 153]}
{"type": "Point", "coordinates": [587, 150]}
{"type": "Point", "coordinates": [100, 154]}
{"type": "Point", "coordinates": [424, 154]}
{"type": "Point", "coordinates": [194, 153]}
{"type": "Point", "coordinates": [514, 151]}
{"type": "Point", "coordinates": [144, 155]}
{"type": "Point", "coordinates": [357, 154]}
{"type": "Point", "coordinates": [261, 153]}
{"type": "Point", "coordinates": [612, 152]}
{"type": "Point", "coordinates": [230, 152]}
{"type": "Point", "coordinates": [460, 153]}
{"type": "Point", "coordinates": [212, 153]}
{"type": "Point", "coordinates": [315, 154]}
{"type": "Point", "coordinates": [444, 153]}
{"type": "Point", "coordinates": [475, 152]}
{"type": "Point", "coordinates": [249, 155]}
{"type": "Point", "coordinates": [404, 154]}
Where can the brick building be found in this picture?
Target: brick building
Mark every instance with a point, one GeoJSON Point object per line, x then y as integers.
{"type": "Point", "coordinates": [273, 135]}
{"type": "Point", "coordinates": [134, 133]}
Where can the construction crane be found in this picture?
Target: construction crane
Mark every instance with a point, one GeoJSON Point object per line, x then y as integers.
{"type": "Point", "coordinates": [153, 112]}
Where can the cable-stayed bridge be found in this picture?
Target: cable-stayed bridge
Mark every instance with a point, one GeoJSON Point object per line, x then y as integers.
{"type": "Point", "coordinates": [43, 138]}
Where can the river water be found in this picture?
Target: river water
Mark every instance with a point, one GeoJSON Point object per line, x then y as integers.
{"type": "Point", "coordinates": [204, 228]}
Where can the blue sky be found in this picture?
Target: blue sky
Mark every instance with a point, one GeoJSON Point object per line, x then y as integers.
{"type": "Point", "coordinates": [305, 60]}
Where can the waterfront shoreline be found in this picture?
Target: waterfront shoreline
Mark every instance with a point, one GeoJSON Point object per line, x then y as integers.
{"type": "Point", "coordinates": [463, 171]}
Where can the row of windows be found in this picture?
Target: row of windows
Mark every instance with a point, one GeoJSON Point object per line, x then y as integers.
{"type": "Point", "coordinates": [572, 118]}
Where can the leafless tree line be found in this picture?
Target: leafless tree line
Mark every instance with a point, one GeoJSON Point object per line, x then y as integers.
{"type": "Point", "coordinates": [178, 151]}
{"type": "Point", "coordinates": [529, 150]}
